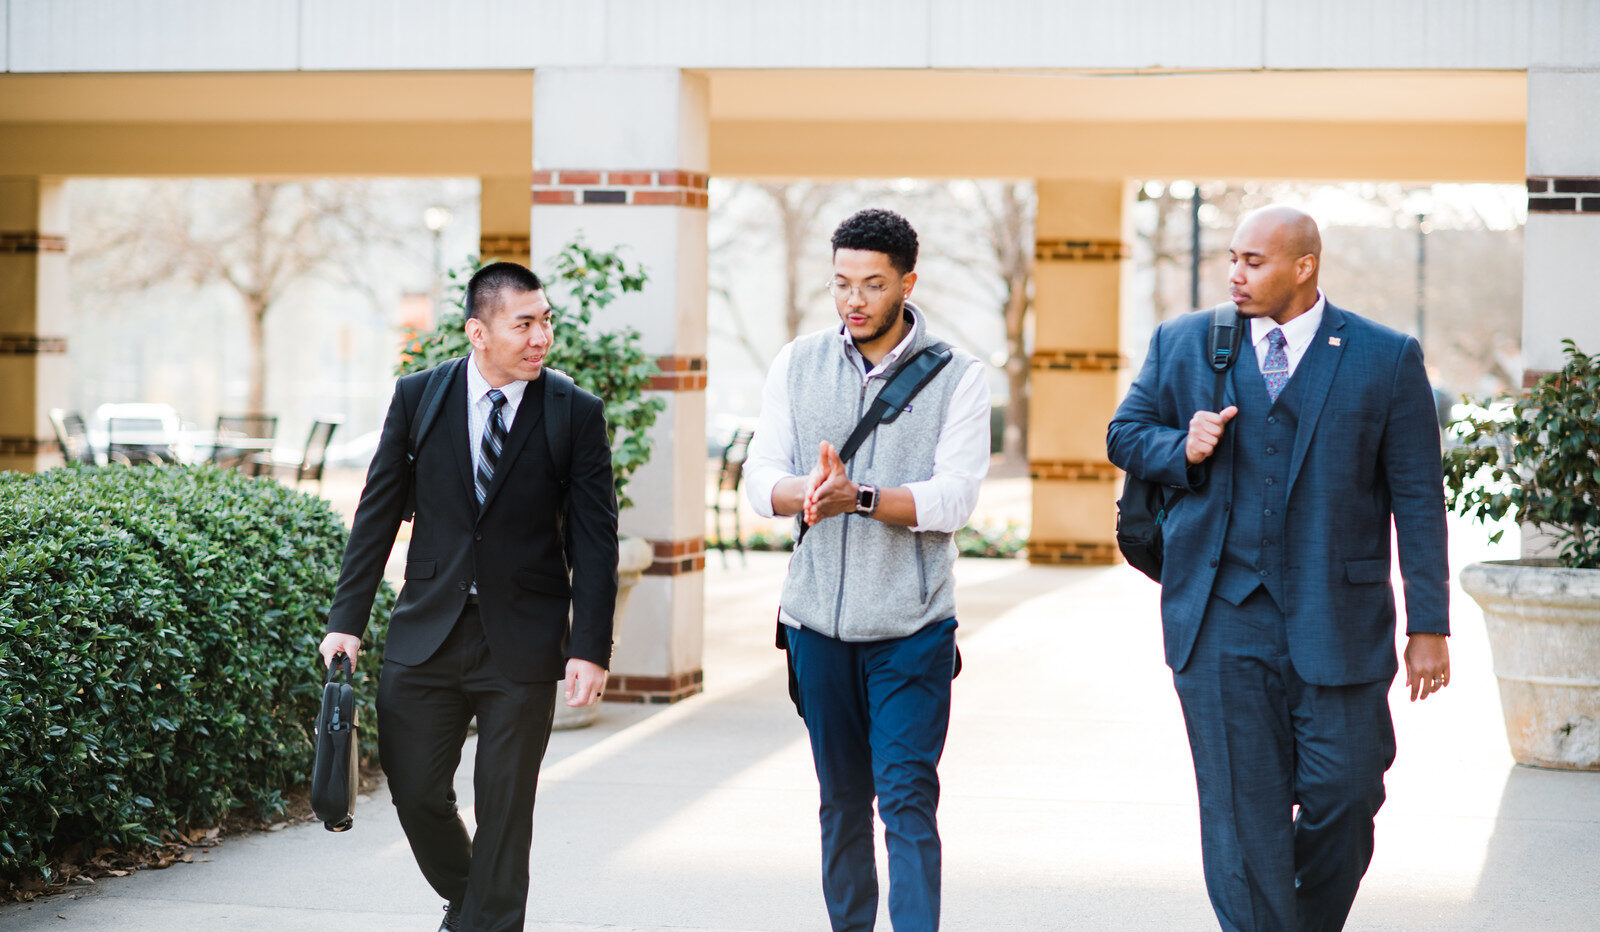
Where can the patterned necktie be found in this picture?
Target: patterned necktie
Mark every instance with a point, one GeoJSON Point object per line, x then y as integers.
{"type": "Point", "coordinates": [494, 438]}
{"type": "Point", "coordinates": [1276, 367]}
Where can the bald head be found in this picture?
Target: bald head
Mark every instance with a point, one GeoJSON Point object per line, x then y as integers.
{"type": "Point", "coordinates": [1275, 256]}
{"type": "Point", "coordinates": [1293, 229]}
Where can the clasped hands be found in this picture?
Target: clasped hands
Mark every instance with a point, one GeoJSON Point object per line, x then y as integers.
{"type": "Point", "coordinates": [828, 491]}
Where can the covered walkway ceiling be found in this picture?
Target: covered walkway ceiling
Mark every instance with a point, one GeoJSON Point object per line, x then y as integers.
{"type": "Point", "coordinates": [1402, 125]}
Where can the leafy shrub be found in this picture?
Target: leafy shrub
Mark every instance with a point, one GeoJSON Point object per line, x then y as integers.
{"type": "Point", "coordinates": [609, 363]}
{"type": "Point", "coordinates": [158, 634]}
{"type": "Point", "coordinates": [1541, 461]}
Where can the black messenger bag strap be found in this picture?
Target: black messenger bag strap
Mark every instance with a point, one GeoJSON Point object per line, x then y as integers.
{"type": "Point", "coordinates": [428, 411]}
{"type": "Point", "coordinates": [896, 396]}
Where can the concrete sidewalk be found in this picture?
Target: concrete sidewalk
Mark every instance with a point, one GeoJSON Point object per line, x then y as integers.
{"type": "Point", "coordinates": [1068, 798]}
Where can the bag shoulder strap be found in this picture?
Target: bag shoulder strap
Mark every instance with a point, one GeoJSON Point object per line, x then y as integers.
{"type": "Point", "coordinates": [427, 412]}
{"type": "Point", "coordinates": [896, 396]}
{"type": "Point", "coordinates": [558, 389]}
{"type": "Point", "coordinates": [1227, 334]}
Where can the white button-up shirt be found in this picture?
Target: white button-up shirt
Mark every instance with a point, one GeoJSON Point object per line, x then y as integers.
{"type": "Point", "coordinates": [1297, 334]}
{"type": "Point", "coordinates": [479, 406]}
{"type": "Point", "coordinates": [944, 502]}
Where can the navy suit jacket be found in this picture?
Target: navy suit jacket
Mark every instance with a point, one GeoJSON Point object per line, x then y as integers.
{"type": "Point", "coordinates": [1366, 451]}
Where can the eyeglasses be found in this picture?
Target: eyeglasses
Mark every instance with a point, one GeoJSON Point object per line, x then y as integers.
{"type": "Point", "coordinates": [870, 291]}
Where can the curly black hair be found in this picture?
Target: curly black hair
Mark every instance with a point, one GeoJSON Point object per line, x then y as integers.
{"type": "Point", "coordinates": [882, 231]}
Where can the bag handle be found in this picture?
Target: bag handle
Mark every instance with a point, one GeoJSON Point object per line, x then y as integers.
{"type": "Point", "coordinates": [341, 663]}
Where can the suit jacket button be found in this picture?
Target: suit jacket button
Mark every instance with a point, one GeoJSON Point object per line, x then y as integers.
{"type": "Point", "coordinates": [1212, 561]}
{"type": "Point", "coordinates": [1227, 506]}
{"type": "Point", "coordinates": [462, 586]}
{"type": "Point", "coordinates": [477, 537]}
{"type": "Point", "coordinates": [1264, 574]}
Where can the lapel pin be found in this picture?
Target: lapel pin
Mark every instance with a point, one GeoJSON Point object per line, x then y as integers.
{"type": "Point", "coordinates": [1334, 341]}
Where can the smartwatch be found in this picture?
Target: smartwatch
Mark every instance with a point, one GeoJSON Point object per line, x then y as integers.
{"type": "Point", "coordinates": [866, 500]}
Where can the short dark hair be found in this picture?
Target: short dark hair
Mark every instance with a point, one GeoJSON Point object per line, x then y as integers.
{"type": "Point", "coordinates": [483, 289]}
{"type": "Point", "coordinates": [878, 230]}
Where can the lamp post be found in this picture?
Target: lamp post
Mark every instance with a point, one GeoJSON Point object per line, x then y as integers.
{"type": "Point", "coordinates": [1422, 275]}
{"type": "Point", "coordinates": [436, 219]}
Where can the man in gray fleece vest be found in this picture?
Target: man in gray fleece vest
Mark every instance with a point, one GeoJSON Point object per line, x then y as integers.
{"type": "Point", "coordinates": [869, 604]}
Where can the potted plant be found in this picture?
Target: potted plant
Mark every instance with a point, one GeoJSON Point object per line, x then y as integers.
{"type": "Point", "coordinates": [1537, 457]}
{"type": "Point", "coordinates": [609, 363]}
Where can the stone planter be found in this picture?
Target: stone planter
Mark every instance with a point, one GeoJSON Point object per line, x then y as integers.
{"type": "Point", "coordinates": [1544, 634]}
{"type": "Point", "coordinates": [633, 558]}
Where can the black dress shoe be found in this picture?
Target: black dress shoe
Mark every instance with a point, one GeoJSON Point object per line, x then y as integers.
{"type": "Point", "coordinates": [452, 918]}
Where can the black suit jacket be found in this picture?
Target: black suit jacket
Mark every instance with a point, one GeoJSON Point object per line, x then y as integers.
{"type": "Point", "coordinates": [529, 572]}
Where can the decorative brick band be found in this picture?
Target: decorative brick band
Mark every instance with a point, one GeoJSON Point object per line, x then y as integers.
{"type": "Point", "coordinates": [513, 245]}
{"type": "Point", "coordinates": [656, 690]}
{"type": "Point", "coordinates": [1531, 377]}
{"type": "Point", "coordinates": [641, 188]}
{"type": "Point", "coordinates": [1080, 250]}
{"type": "Point", "coordinates": [1073, 552]}
{"type": "Point", "coordinates": [679, 374]}
{"type": "Point", "coordinates": [13, 242]}
{"type": "Point", "coordinates": [27, 446]}
{"type": "Point", "coordinates": [1082, 360]}
{"type": "Point", "coordinates": [31, 344]}
{"type": "Point", "coordinates": [677, 557]}
{"type": "Point", "coordinates": [1073, 470]}
{"type": "Point", "coordinates": [1564, 195]}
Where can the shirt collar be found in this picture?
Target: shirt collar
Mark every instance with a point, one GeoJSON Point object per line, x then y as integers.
{"type": "Point", "coordinates": [478, 386]}
{"type": "Point", "coordinates": [1296, 333]}
{"type": "Point", "coordinates": [890, 357]}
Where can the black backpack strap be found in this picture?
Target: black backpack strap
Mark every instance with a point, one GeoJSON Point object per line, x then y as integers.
{"type": "Point", "coordinates": [427, 412]}
{"type": "Point", "coordinates": [1227, 334]}
{"type": "Point", "coordinates": [896, 396]}
{"type": "Point", "coordinates": [558, 388]}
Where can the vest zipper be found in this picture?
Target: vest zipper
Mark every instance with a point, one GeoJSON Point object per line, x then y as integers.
{"type": "Point", "coordinates": [844, 535]}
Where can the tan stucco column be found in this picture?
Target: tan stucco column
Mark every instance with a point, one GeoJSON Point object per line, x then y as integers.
{"type": "Point", "coordinates": [33, 305]}
{"type": "Point", "coordinates": [503, 203]}
{"type": "Point", "coordinates": [620, 155]}
{"type": "Point", "coordinates": [1561, 245]}
{"type": "Point", "coordinates": [1080, 253]}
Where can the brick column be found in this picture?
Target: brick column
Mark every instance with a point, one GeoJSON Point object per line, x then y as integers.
{"type": "Point", "coordinates": [33, 308]}
{"type": "Point", "coordinates": [503, 218]}
{"type": "Point", "coordinates": [1078, 274]}
{"type": "Point", "coordinates": [620, 155]}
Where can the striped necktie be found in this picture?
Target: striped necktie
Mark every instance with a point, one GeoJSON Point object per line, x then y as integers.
{"type": "Point", "coordinates": [1275, 369]}
{"type": "Point", "coordinates": [494, 439]}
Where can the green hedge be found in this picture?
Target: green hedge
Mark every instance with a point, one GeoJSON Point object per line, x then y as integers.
{"type": "Point", "coordinates": [158, 633]}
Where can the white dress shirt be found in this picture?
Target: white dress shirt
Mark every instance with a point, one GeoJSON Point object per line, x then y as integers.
{"type": "Point", "coordinates": [479, 406]}
{"type": "Point", "coordinates": [1297, 334]}
{"type": "Point", "coordinates": [944, 502]}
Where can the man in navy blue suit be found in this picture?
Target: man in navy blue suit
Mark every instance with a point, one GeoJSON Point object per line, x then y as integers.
{"type": "Point", "coordinates": [1277, 612]}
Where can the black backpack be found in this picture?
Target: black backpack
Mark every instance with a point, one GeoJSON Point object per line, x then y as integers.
{"type": "Point", "coordinates": [1143, 507]}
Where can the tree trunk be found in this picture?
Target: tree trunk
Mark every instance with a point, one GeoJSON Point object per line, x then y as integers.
{"type": "Point", "coordinates": [255, 314]}
{"type": "Point", "coordinates": [1014, 443]}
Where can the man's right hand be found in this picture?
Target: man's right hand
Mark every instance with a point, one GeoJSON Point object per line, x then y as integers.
{"type": "Point", "coordinates": [336, 642]}
{"type": "Point", "coordinates": [1205, 429]}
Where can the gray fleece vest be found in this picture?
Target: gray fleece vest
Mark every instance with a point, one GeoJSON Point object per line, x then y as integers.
{"type": "Point", "coordinates": [855, 578]}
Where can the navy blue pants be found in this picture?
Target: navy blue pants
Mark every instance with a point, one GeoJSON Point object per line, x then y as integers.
{"type": "Point", "coordinates": [1264, 742]}
{"type": "Point", "coordinates": [877, 713]}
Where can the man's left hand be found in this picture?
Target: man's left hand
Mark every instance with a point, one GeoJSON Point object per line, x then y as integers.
{"type": "Point", "coordinates": [585, 682]}
{"type": "Point", "coordinates": [1427, 664]}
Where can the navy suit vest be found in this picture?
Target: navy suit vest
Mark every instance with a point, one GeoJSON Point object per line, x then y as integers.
{"type": "Point", "coordinates": [1263, 440]}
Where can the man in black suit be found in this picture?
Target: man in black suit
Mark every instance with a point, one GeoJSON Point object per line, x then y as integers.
{"type": "Point", "coordinates": [516, 523]}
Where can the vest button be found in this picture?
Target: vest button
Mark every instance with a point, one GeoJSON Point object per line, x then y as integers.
{"type": "Point", "coordinates": [1267, 512]}
{"type": "Point", "coordinates": [1271, 450]}
{"type": "Point", "coordinates": [1264, 574]}
{"type": "Point", "coordinates": [1272, 420]}
{"type": "Point", "coordinates": [1212, 561]}
{"type": "Point", "coordinates": [1271, 481]}
{"type": "Point", "coordinates": [1227, 506]}
{"type": "Point", "coordinates": [1266, 542]}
